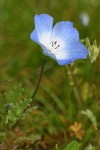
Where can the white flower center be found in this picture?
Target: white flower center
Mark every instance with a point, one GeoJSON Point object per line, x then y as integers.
{"type": "Point", "coordinates": [53, 46]}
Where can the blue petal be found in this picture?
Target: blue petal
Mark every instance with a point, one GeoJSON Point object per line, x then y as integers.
{"type": "Point", "coordinates": [77, 51]}
{"type": "Point", "coordinates": [65, 32]}
{"type": "Point", "coordinates": [64, 62]}
{"type": "Point", "coordinates": [71, 53]}
{"type": "Point", "coordinates": [34, 36]}
{"type": "Point", "coordinates": [43, 26]}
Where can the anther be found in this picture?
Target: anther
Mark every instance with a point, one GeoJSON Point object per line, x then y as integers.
{"type": "Point", "coordinates": [54, 43]}
{"type": "Point", "coordinates": [57, 46]}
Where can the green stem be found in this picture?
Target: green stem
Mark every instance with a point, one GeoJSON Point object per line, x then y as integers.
{"type": "Point", "coordinates": [76, 88]}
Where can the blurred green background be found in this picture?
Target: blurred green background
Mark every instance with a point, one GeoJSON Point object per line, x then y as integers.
{"type": "Point", "coordinates": [18, 54]}
{"type": "Point", "coordinates": [21, 60]}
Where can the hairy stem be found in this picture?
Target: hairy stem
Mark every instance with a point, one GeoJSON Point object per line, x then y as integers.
{"type": "Point", "coordinates": [34, 93]}
{"type": "Point", "coordinates": [39, 81]}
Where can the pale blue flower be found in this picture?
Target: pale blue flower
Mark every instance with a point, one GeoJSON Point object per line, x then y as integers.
{"type": "Point", "coordinates": [60, 42]}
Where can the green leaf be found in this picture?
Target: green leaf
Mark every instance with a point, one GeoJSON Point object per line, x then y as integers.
{"type": "Point", "coordinates": [74, 145]}
{"type": "Point", "coordinates": [13, 105]}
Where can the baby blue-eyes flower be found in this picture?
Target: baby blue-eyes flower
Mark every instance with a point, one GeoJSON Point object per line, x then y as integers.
{"type": "Point", "coordinates": [60, 42]}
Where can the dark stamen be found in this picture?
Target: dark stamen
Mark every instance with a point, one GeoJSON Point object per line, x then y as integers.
{"type": "Point", "coordinates": [57, 46]}
{"type": "Point", "coordinates": [54, 44]}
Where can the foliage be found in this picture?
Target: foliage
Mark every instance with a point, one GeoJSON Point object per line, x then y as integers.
{"type": "Point", "coordinates": [64, 91]}
{"type": "Point", "coordinates": [14, 105]}
{"type": "Point", "coordinates": [74, 145]}
{"type": "Point", "coordinates": [93, 49]}
{"type": "Point", "coordinates": [13, 110]}
{"type": "Point", "coordinates": [90, 115]}
{"type": "Point", "coordinates": [90, 147]}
